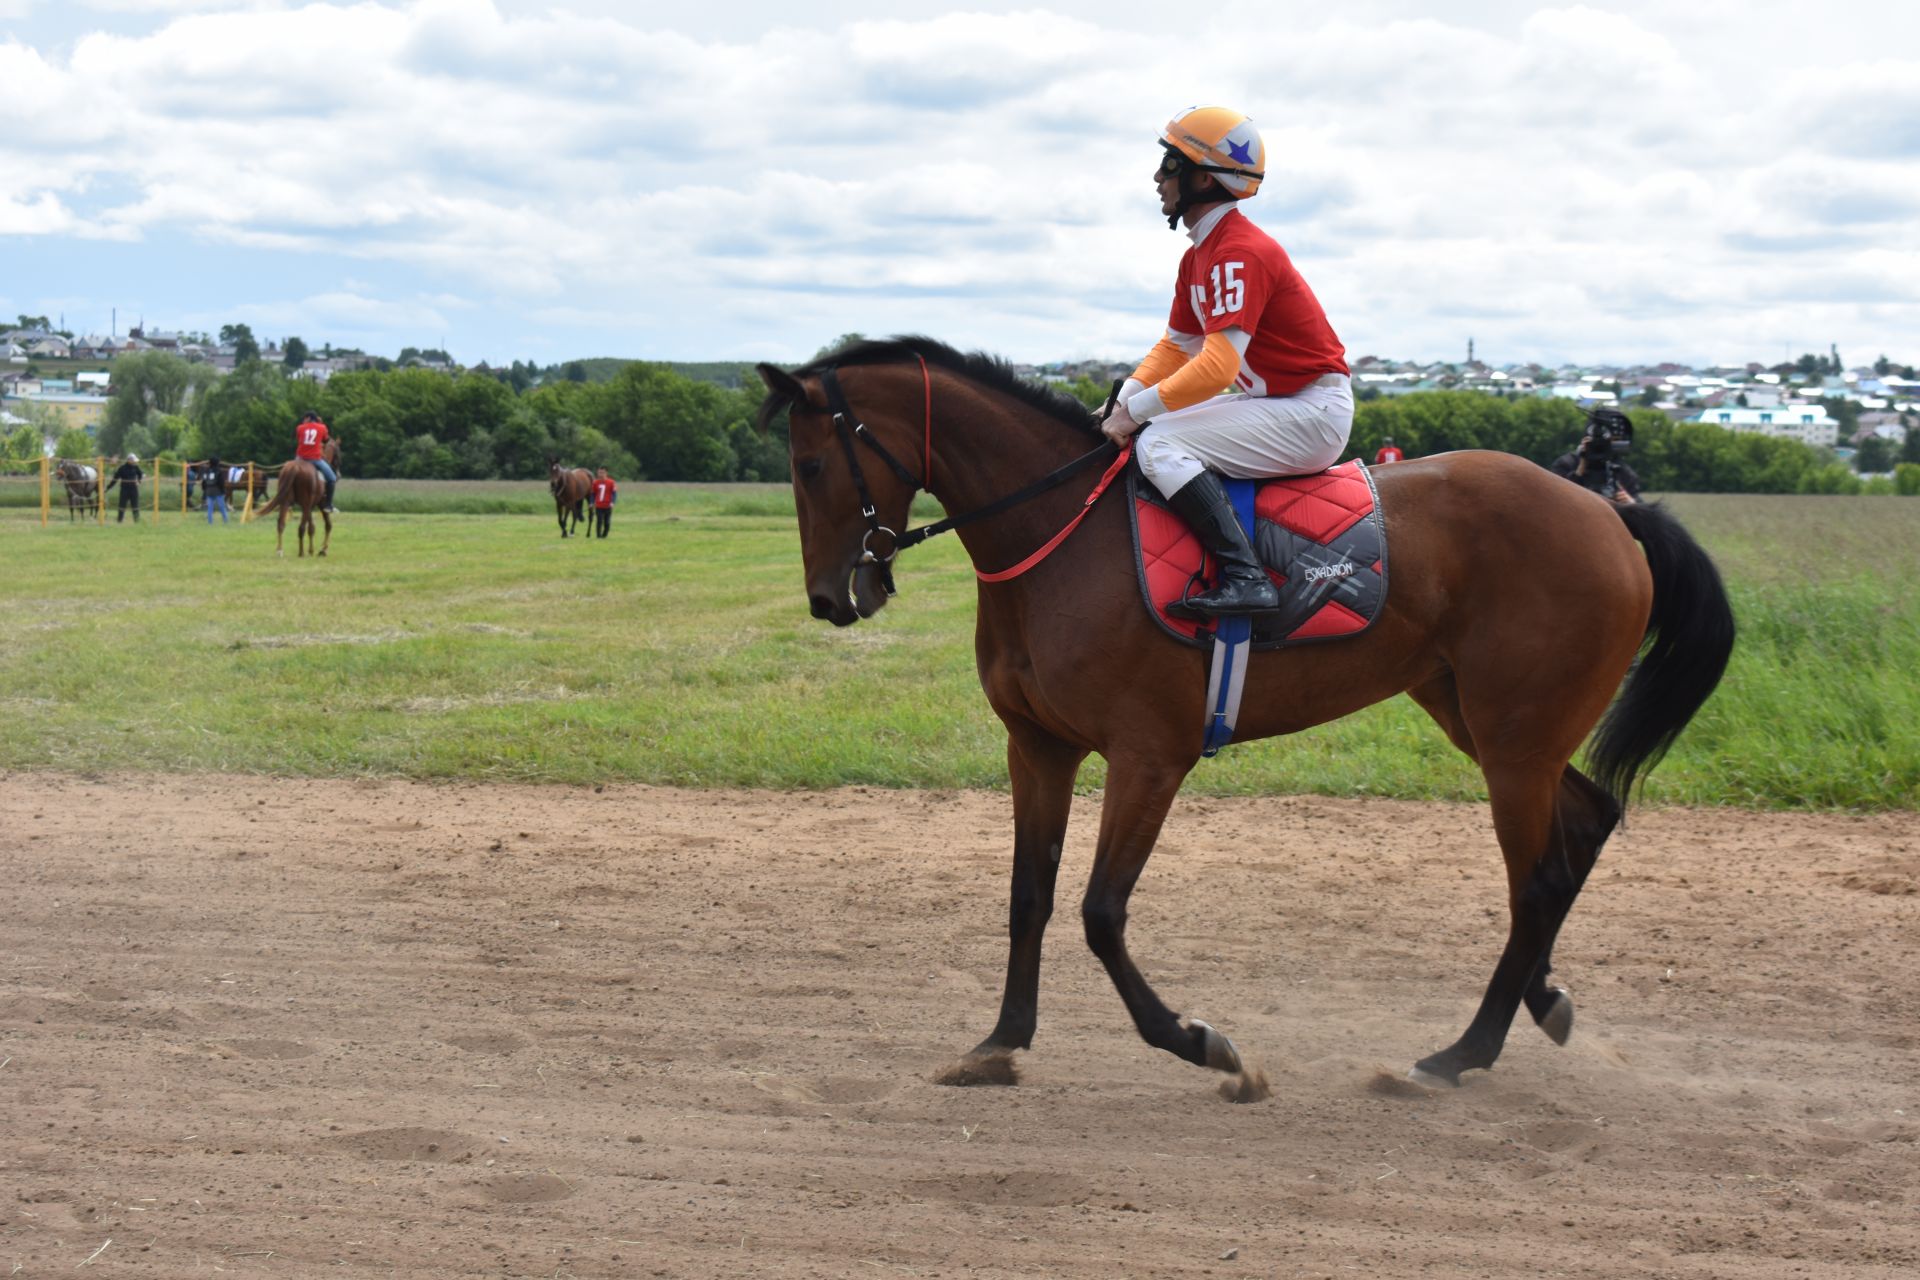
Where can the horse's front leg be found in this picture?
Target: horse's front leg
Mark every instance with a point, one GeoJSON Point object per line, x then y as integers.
{"type": "Point", "coordinates": [328, 541]}
{"type": "Point", "coordinates": [1042, 769]}
{"type": "Point", "coordinates": [1138, 795]}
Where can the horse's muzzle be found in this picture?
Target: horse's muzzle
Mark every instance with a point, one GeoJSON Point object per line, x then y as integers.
{"type": "Point", "coordinates": [842, 608]}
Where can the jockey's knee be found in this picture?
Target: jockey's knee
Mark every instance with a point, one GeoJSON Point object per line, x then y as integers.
{"type": "Point", "coordinates": [1165, 461]}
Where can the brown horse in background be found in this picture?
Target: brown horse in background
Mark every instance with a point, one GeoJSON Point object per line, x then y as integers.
{"type": "Point", "coordinates": [569, 489]}
{"type": "Point", "coordinates": [301, 483]}
{"type": "Point", "coordinates": [83, 487]}
{"type": "Point", "coordinates": [1518, 605]}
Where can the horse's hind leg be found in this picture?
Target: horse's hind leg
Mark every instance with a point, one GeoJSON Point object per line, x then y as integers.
{"type": "Point", "coordinates": [1042, 769]}
{"type": "Point", "coordinates": [1584, 816]}
{"type": "Point", "coordinates": [1540, 891]}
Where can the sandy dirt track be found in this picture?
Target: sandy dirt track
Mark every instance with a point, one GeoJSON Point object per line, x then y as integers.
{"type": "Point", "coordinates": [260, 1028]}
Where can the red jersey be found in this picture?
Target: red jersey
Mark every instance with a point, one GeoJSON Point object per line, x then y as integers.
{"type": "Point", "coordinates": [603, 494]}
{"type": "Point", "coordinates": [309, 441]}
{"type": "Point", "coordinates": [1240, 277]}
{"type": "Point", "coordinates": [1388, 453]}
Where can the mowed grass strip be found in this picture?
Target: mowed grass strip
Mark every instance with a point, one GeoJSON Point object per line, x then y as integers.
{"type": "Point", "coordinates": [680, 651]}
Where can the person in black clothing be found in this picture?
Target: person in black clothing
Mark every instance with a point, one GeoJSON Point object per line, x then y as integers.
{"type": "Point", "coordinates": [128, 477]}
{"type": "Point", "coordinates": [1596, 464]}
{"type": "Point", "coordinates": [213, 487]}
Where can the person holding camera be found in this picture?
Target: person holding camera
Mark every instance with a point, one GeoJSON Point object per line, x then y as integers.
{"type": "Point", "coordinates": [1596, 464]}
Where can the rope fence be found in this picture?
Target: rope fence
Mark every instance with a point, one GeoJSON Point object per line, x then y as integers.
{"type": "Point", "coordinates": [88, 493]}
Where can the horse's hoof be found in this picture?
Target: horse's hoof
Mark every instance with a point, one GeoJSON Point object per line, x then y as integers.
{"type": "Point", "coordinates": [978, 1069]}
{"type": "Point", "coordinates": [1246, 1086]}
{"type": "Point", "coordinates": [1558, 1023]}
{"type": "Point", "coordinates": [1221, 1055]}
{"type": "Point", "coordinates": [1427, 1080]}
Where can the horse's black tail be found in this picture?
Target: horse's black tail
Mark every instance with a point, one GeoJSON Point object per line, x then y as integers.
{"type": "Point", "coordinates": [1689, 639]}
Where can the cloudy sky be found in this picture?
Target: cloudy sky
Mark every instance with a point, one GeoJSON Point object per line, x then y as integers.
{"type": "Point", "coordinates": [1702, 180]}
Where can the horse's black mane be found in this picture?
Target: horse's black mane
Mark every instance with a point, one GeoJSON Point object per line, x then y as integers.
{"type": "Point", "coordinates": [975, 366]}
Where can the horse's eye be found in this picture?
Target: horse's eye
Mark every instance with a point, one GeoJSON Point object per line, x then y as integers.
{"type": "Point", "coordinates": [809, 468]}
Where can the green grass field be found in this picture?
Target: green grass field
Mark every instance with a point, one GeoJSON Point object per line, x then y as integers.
{"type": "Point", "coordinates": [680, 651]}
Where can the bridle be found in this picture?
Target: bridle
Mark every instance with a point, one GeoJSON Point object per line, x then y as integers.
{"type": "Point", "coordinates": [850, 428]}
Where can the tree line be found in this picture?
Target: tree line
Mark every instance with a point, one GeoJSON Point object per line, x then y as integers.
{"type": "Point", "coordinates": [1668, 456]}
{"type": "Point", "coordinates": [648, 421]}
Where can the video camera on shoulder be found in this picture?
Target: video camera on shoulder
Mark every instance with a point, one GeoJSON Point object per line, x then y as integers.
{"type": "Point", "coordinates": [1609, 434]}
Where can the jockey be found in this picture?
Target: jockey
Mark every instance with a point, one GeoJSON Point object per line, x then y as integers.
{"type": "Point", "coordinates": [1243, 320]}
{"type": "Point", "coordinates": [310, 443]}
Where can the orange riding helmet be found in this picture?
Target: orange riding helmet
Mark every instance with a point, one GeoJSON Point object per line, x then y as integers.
{"type": "Point", "coordinates": [1222, 142]}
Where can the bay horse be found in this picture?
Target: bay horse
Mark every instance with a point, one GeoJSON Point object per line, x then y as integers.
{"type": "Point", "coordinates": [569, 488]}
{"type": "Point", "coordinates": [83, 487]}
{"type": "Point", "coordinates": [1518, 605]}
{"type": "Point", "coordinates": [301, 483]}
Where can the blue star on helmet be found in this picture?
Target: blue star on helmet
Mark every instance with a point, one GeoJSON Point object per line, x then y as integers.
{"type": "Point", "coordinates": [1242, 152]}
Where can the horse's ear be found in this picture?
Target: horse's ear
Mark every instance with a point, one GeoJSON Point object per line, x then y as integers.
{"type": "Point", "coordinates": [781, 383]}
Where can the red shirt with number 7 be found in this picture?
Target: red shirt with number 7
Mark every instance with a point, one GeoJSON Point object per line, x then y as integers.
{"type": "Point", "coordinates": [1240, 277]}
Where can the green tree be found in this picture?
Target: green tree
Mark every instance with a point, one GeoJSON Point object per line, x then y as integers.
{"type": "Point", "coordinates": [246, 416]}
{"type": "Point", "coordinates": [675, 427]}
{"type": "Point", "coordinates": [1876, 453]}
{"type": "Point", "coordinates": [1906, 479]}
{"type": "Point", "coordinates": [424, 458]}
{"type": "Point", "coordinates": [139, 441]}
{"type": "Point", "coordinates": [1088, 392]}
{"type": "Point", "coordinates": [35, 322]}
{"type": "Point", "coordinates": [1910, 446]}
{"type": "Point", "coordinates": [522, 445]}
{"type": "Point", "coordinates": [146, 383]}
{"type": "Point", "coordinates": [25, 444]}
{"type": "Point", "coordinates": [173, 434]}
{"type": "Point", "coordinates": [840, 343]}
{"type": "Point", "coordinates": [245, 346]}
{"type": "Point", "coordinates": [74, 442]}
{"type": "Point", "coordinates": [295, 355]}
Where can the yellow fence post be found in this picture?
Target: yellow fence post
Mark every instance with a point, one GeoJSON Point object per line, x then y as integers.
{"type": "Point", "coordinates": [100, 488]}
{"type": "Point", "coordinates": [159, 474]}
{"type": "Point", "coordinates": [46, 487]}
{"type": "Point", "coordinates": [183, 486]}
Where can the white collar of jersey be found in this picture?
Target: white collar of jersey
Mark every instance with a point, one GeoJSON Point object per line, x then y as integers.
{"type": "Point", "coordinates": [1200, 230]}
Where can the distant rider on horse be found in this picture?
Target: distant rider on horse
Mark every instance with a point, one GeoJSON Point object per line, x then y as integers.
{"type": "Point", "coordinates": [310, 445]}
{"type": "Point", "coordinates": [1242, 319]}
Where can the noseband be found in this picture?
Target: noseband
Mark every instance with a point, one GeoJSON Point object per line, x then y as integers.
{"type": "Point", "coordinates": [850, 428]}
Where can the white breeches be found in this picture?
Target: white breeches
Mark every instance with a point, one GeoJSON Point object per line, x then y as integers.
{"type": "Point", "coordinates": [1250, 437]}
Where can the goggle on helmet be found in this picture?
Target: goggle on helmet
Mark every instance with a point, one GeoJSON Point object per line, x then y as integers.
{"type": "Point", "coordinates": [1222, 142]}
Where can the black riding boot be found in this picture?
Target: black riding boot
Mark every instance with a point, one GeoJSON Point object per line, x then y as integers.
{"type": "Point", "coordinates": [1244, 586]}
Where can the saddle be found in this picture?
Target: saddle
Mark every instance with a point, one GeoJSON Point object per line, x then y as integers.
{"type": "Point", "coordinates": [1322, 538]}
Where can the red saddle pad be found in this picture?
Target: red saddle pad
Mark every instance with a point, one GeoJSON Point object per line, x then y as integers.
{"type": "Point", "coordinates": [1322, 538]}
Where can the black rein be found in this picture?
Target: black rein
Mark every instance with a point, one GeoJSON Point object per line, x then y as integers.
{"type": "Point", "coordinates": [850, 428]}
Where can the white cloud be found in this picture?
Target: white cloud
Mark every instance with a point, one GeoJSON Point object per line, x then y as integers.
{"type": "Point", "coordinates": [1554, 181]}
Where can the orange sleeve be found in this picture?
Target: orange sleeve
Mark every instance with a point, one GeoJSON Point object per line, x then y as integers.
{"type": "Point", "coordinates": [1164, 359]}
{"type": "Point", "coordinates": [1202, 377]}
